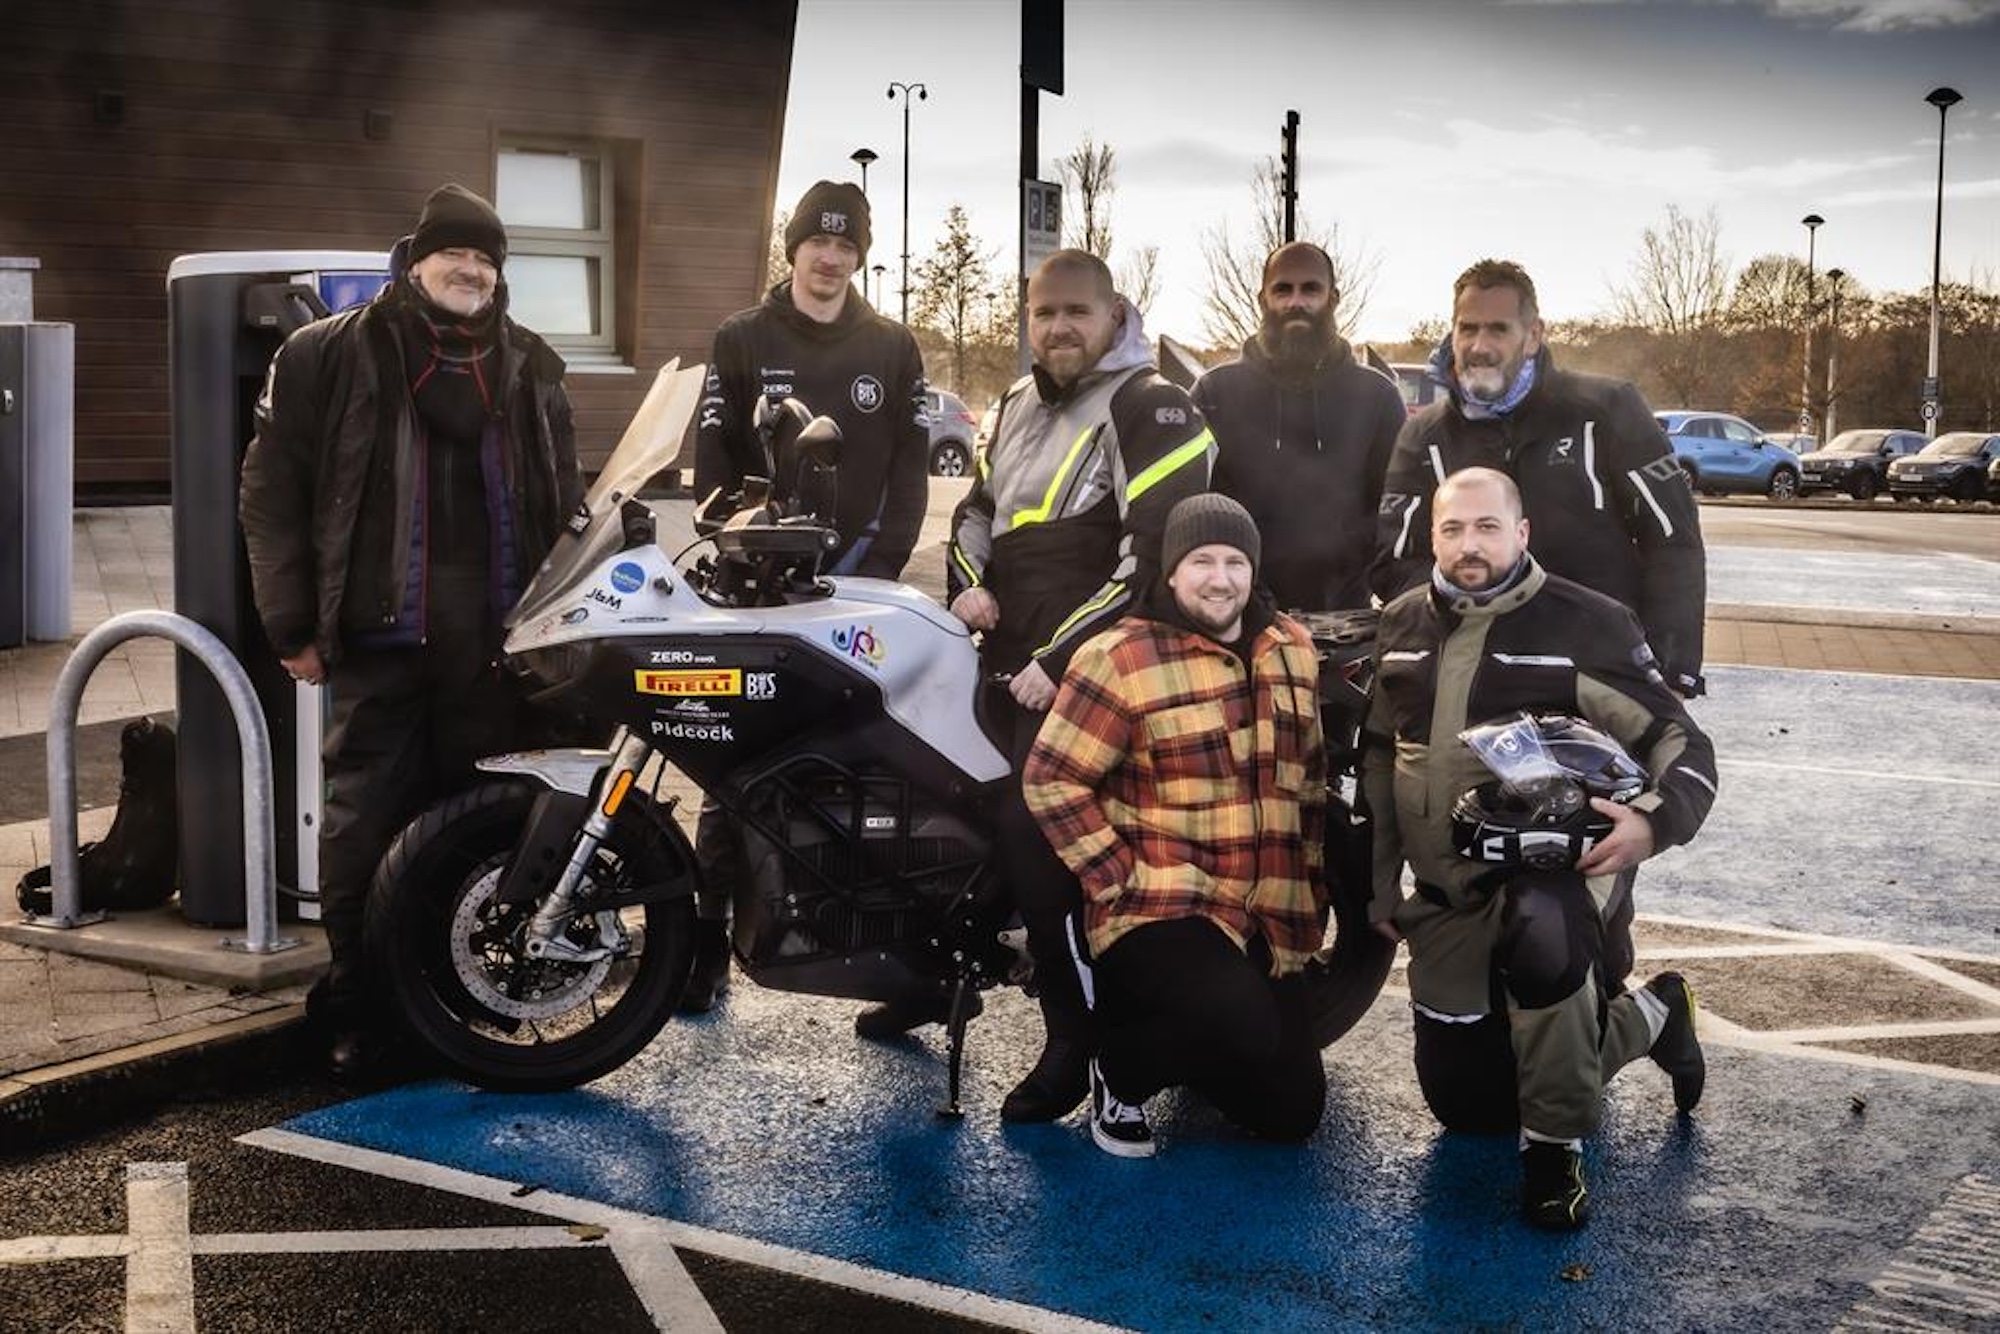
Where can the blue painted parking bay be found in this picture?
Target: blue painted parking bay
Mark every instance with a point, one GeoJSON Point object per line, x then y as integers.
{"type": "Point", "coordinates": [1799, 1190]}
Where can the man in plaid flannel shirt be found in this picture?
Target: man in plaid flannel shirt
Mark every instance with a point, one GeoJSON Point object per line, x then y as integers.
{"type": "Point", "coordinates": [1180, 775]}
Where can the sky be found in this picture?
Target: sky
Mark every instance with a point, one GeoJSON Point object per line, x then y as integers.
{"type": "Point", "coordinates": [1433, 132]}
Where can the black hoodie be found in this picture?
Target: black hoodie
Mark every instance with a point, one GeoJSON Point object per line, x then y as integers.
{"type": "Point", "coordinates": [863, 371]}
{"type": "Point", "coordinates": [1306, 457]}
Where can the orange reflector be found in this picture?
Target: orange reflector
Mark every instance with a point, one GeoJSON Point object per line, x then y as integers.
{"type": "Point", "coordinates": [619, 787]}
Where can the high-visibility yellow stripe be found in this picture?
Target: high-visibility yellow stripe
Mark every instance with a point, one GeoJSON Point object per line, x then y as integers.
{"type": "Point", "coordinates": [1040, 514]}
{"type": "Point", "coordinates": [964, 564]}
{"type": "Point", "coordinates": [1083, 613]}
{"type": "Point", "coordinates": [1168, 466]}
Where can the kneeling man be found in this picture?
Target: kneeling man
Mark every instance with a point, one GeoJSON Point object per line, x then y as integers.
{"type": "Point", "coordinates": [1180, 775]}
{"type": "Point", "coordinates": [1518, 947]}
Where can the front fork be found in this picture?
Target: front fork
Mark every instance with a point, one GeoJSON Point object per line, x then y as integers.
{"type": "Point", "coordinates": [547, 934]}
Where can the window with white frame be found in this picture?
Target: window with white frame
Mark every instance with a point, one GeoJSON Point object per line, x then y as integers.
{"type": "Point", "coordinates": [556, 200]}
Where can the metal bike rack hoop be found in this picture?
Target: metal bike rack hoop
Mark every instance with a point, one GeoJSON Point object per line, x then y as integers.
{"type": "Point", "coordinates": [260, 879]}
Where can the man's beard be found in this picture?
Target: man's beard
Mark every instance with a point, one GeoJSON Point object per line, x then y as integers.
{"type": "Point", "coordinates": [1296, 340]}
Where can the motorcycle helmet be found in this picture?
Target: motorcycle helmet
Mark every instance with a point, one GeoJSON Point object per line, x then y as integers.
{"type": "Point", "coordinates": [1536, 810]}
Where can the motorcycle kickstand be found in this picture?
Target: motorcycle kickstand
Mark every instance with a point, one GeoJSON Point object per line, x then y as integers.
{"type": "Point", "coordinates": [962, 994]}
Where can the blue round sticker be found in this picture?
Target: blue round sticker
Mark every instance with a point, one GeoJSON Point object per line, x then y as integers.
{"type": "Point", "coordinates": [627, 577]}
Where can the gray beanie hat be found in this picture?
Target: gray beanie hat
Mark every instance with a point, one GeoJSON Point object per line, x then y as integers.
{"type": "Point", "coordinates": [1206, 518]}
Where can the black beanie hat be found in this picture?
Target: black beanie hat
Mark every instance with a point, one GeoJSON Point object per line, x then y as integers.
{"type": "Point", "coordinates": [831, 208]}
{"type": "Point", "coordinates": [454, 216]}
{"type": "Point", "coordinates": [1208, 517]}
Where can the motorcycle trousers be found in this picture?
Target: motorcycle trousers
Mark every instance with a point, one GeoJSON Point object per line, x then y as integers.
{"type": "Point", "coordinates": [1560, 1024]}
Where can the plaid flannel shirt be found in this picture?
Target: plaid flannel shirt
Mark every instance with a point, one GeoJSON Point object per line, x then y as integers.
{"type": "Point", "coordinates": [1176, 784]}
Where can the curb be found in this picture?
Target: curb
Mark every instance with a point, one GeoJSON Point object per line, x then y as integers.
{"type": "Point", "coordinates": [1854, 618]}
{"type": "Point", "coordinates": [61, 1101]}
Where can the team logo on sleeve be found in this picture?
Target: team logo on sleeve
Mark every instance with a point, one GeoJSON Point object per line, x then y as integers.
{"type": "Point", "coordinates": [866, 392]}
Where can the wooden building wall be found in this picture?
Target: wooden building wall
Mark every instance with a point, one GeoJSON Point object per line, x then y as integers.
{"type": "Point", "coordinates": [242, 128]}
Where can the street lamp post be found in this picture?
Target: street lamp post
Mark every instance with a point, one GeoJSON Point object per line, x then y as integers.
{"type": "Point", "coordinates": [879, 270]}
{"type": "Point", "coordinates": [1812, 223]}
{"type": "Point", "coordinates": [1833, 277]}
{"type": "Point", "coordinates": [1944, 99]}
{"type": "Point", "coordinates": [922, 93]}
{"type": "Point", "coordinates": [862, 157]}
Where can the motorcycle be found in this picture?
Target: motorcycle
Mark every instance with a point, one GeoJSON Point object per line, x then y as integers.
{"type": "Point", "coordinates": [537, 929]}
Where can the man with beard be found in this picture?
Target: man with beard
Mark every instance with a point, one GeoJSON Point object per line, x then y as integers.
{"type": "Point", "coordinates": [413, 462]}
{"type": "Point", "coordinates": [814, 338]}
{"type": "Point", "coordinates": [1517, 966]}
{"type": "Point", "coordinates": [1181, 777]}
{"type": "Point", "coordinates": [1303, 434]}
{"type": "Point", "coordinates": [1611, 508]}
{"type": "Point", "coordinates": [1059, 533]}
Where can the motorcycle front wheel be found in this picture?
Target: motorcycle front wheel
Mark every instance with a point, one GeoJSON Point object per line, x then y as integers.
{"type": "Point", "coordinates": [456, 962]}
{"type": "Point", "coordinates": [1344, 979]}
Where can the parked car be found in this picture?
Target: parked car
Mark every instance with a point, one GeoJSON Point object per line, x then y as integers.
{"type": "Point", "coordinates": [952, 425]}
{"type": "Point", "coordinates": [1857, 462]}
{"type": "Point", "coordinates": [1993, 480]}
{"type": "Point", "coordinates": [1414, 382]}
{"type": "Point", "coordinates": [1799, 442]}
{"type": "Point", "coordinates": [1721, 453]}
{"type": "Point", "coordinates": [1953, 466]}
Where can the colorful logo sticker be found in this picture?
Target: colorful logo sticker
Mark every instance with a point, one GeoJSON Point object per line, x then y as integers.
{"type": "Point", "coordinates": [714, 681]}
{"type": "Point", "coordinates": [859, 641]}
{"type": "Point", "coordinates": [627, 577]}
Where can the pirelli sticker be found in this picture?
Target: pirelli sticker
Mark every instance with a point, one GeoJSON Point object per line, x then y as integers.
{"type": "Point", "coordinates": [699, 682]}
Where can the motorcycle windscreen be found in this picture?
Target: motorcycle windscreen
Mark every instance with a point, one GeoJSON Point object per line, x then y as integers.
{"type": "Point", "coordinates": [650, 443]}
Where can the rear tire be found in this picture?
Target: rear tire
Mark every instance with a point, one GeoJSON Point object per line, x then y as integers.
{"type": "Point", "coordinates": [1344, 979]}
{"type": "Point", "coordinates": [460, 981]}
{"type": "Point", "coordinates": [950, 459]}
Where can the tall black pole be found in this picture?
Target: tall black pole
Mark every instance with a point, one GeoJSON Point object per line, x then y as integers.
{"type": "Point", "coordinates": [1031, 163]}
{"type": "Point", "coordinates": [1289, 176]}
{"type": "Point", "coordinates": [1944, 99]}
{"type": "Point", "coordinates": [906, 89]}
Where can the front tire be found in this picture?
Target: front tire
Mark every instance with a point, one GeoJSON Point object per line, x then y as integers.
{"type": "Point", "coordinates": [454, 960]}
{"type": "Point", "coordinates": [950, 459]}
{"type": "Point", "coordinates": [1783, 486]}
{"type": "Point", "coordinates": [1864, 486]}
{"type": "Point", "coordinates": [1344, 979]}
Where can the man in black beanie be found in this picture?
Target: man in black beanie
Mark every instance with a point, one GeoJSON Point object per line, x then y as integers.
{"type": "Point", "coordinates": [1181, 777]}
{"type": "Point", "coordinates": [414, 460]}
{"type": "Point", "coordinates": [813, 338]}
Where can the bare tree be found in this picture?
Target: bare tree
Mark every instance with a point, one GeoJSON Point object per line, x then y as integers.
{"type": "Point", "coordinates": [954, 289]}
{"type": "Point", "coordinates": [1089, 178]}
{"type": "Point", "coordinates": [1139, 277]}
{"type": "Point", "coordinates": [777, 268]}
{"type": "Point", "coordinates": [1679, 289]}
{"type": "Point", "coordinates": [1231, 309]}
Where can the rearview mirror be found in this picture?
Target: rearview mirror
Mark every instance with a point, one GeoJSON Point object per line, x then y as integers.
{"type": "Point", "coordinates": [819, 441]}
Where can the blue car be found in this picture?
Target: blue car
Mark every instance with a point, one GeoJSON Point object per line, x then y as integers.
{"type": "Point", "coordinates": [1722, 453]}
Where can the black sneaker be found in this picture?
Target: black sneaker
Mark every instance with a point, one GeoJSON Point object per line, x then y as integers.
{"type": "Point", "coordinates": [891, 1019]}
{"type": "Point", "coordinates": [1118, 1127]}
{"type": "Point", "coordinates": [1553, 1195]}
{"type": "Point", "coordinates": [1676, 1050]}
{"type": "Point", "coordinates": [710, 976]}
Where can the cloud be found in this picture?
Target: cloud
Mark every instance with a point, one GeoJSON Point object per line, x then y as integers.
{"type": "Point", "coordinates": [1846, 15]}
{"type": "Point", "coordinates": [1923, 191]}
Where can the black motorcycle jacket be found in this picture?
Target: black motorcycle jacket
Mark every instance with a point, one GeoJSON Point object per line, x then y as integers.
{"type": "Point", "coordinates": [1070, 499]}
{"type": "Point", "coordinates": [863, 371]}
{"type": "Point", "coordinates": [1446, 662]}
{"type": "Point", "coordinates": [1306, 457]}
{"type": "Point", "coordinates": [1608, 505]}
{"type": "Point", "coordinates": [332, 481]}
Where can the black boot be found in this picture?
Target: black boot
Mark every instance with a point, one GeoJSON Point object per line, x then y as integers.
{"type": "Point", "coordinates": [710, 976]}
{"type": "Point", "coordinates": [1059, 1081]}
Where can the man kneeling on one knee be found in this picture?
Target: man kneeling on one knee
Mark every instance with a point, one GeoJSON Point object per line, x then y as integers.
{"type": "Point", "coordinates": [1181, 776]}
{"type": "Point", "coordinates": [1518, 939]}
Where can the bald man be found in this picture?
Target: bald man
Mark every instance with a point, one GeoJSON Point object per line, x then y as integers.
{"type": "Point", "coordinates": [1522, 1014]}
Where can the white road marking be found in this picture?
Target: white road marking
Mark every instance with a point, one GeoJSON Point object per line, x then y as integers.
{"type": "Point", "coordinates": [1945, 1279]}
{"type": "Point", "coordinates": [1881, 775]}
{"type": "Point", "coordinates": [896, 1287]}
{"type": "Point", "coordinates": [159, 1268]}
{"type": "Point", "coordinates": [1928, 1028]}
{"type": "Point", "coordinates": [159, 1253]}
